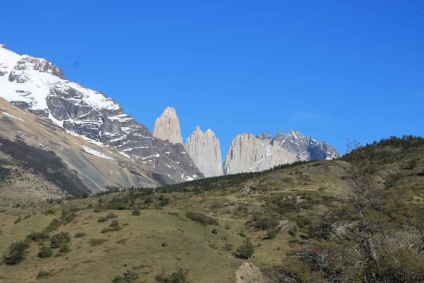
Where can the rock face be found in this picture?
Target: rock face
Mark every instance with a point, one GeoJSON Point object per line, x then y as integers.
{"type": "Point", "coordinates": [167, 127]}
{"type": "Point", "coordinates": [249, 153]}
{"type": "Point", "coordinates": [38, 86]}
{"type": "Point", "coordinates": [205, 150]}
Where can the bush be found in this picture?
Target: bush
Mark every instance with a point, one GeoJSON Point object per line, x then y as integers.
{"type": "Point", "coordinates": [54, 225]}
{"type": "Point", "coordinates": [412, 164]}
{"type": "Point", "coordinates": [16, 253]}
{"type": "Point", "coordinates": [49, 212]}
{"type": "Point", "coordinates": [136, 212]}
{"type": "Point", "coordinates": [96, 242]}
{"type": "Point", "coordinates": [201, 218]}
{"type": "Point", "coordinates": [111, 229]}
{"type": "Point", "coordinates": [43, 274]}
{"type": "Point", "coordinates": [164, 201]}
{"type": "Point", "coordinates": [65, 248]}
{"type": "Point", "coordinates": [45, 252]}
{"type": "Point", "coordinates": [246, 250]}
{"type": "Point", "coordinates": [80, 235]}
{"type": "Point", "coordinates": [127, 277]}
{"type": "Point", "coordinates": [180, 276]}
{"type": "Point", "coordinates": [102, 219]}
{"type": "Point", "coordinates": [114, 223]}
{"type": "Point", "coordinates": [57, 240]}
{"type": "Point", "coordinates": [37, 237]}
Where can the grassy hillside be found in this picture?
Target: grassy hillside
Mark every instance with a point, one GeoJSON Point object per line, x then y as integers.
{"type": "Point", "coordinates": [205, 230]}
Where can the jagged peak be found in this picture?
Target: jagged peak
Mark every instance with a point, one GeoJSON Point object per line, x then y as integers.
{"type": "Point", "coordinates": [169, 111]}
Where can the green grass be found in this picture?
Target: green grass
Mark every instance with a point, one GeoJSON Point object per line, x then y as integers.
{"type": "Point", "coordinates": [160, 239]}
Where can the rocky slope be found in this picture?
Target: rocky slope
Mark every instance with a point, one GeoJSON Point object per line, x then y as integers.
{"type": "Point", "coordinates": [205, 150]}
{"type": "Point", "coordinates": [38, 86]}
{"type": "Point", "coordinates": [167, 127]}
{"type": "Point", "coordinates": [40, 160]}
{"type": "Point", "coordinates": [249, 153]}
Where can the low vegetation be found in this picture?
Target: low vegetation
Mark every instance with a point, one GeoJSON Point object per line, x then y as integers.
{"type": "Point", "coordinates": [358, 218]}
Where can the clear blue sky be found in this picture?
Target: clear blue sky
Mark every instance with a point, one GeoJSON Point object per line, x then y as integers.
{"type": "Point", "coordinates": [333, 70]}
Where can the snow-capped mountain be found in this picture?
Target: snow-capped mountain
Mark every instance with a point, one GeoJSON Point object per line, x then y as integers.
{"type": "Point", "coordinates": [38, 86]}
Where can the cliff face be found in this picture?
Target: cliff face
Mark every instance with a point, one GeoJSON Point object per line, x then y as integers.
{"type": "Point", "coordinates": [249, 153]}
{"type": "Point", "coordinates": [167, 127]}
{"type": "Point", "coordinates": [205, 150]}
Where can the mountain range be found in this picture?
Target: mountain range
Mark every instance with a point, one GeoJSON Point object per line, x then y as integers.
{"type": "Point", "coordinates": [99, 146]}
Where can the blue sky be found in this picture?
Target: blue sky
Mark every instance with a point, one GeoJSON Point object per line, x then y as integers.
{"type": "Point", "coordinates": [333, 70]}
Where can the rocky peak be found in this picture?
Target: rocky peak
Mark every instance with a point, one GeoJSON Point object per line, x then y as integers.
{"type": "Point", "coordinates": [167, 126]}
{"type": "Point", "coordinates": [205, 150]}
{"type": "Point", "coordinates": [265, 136]}
{"type": "Point", "coordinates": [19, 72]}
{"type": "Point", "coordinates": [3, 46]}
{"type": "Point", "coordinates": [251, 154]}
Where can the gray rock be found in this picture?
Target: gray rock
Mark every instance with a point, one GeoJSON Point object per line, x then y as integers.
{"type": "Point", "coordinates": [205, 150]}
{"type": "Point", "coordinates": [248, 153]}
{"type": "Point", "coordinates": [167, 126]}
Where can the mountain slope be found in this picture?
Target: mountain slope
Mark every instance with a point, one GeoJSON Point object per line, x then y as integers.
{"type": "Point", "coordinates": [38, 86]}
{"type": "Point", "coordinates": [40, 160]}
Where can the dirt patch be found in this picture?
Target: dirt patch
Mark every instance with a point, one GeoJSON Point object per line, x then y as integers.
{"type": "Point", "coordinates": [249, 273]}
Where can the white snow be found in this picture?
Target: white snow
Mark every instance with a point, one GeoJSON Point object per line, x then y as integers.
{"type": "Point", "coordinates": [54, 120]}
{"type": "Point", "coordinates": [187, 178]}
{"type": "Point", "coordinates": [11, 116]}
{"type": "Point", "coordinates": [126, 155]}
{"type": "Point", "coordinates": [121, 118]}
{"type": "Point", "coordinates": [119, 138]}
{"type": "Point", "coordinates": [151, 156]}
{"type": "Point", "coordinates": [94, 152]}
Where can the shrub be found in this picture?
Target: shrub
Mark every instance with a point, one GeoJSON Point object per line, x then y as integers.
{"type": "Point", "coordinates": [111, 229]}
{"type": "Point", "coordinates": [201, 218]}
{"type": "Point", "coordinates": [272, 232]}
{"type": "Point", "coordinates": [80, 235]}
{"type": "Point", "coordinates": [102, 219]}
{"type": "Point", "coordinates": [19, 219]}
{"type": "Point", "coordinates": [16, 253]}
{"type": "Point", "coordinates": [96, 242]}
{"type": "Point", "coordinates": [110, 215]}
{"type": "Point", "coordinates": [180, 276]}
{"type": "Point", "coordinates": [412, 164]}
{"type": "Point", "coordinates": [54, 225]}
{"type": "Point", "coordinates": [128, 277]}
{"type": "Point", "coordinates": [49, 212]}
{"type": "Point", "coordinates": [136, 212]}
{"type": "Point", "coordinates": [246, 250]}
{"type": "Point", "coordinates": [37, 237]}
{"type": "Point", "coordinates": [114, 223]}
{"type": "Point", "coordinates": [43, 274]}
{"type": "Point", "coordinates": [265, 223]}
{"type": "Point", "coordinates": [45, 252]}
{"type": "Point", "coordinates": [65, 248]}
{"type": "Point", "coordinates": [57, 240]}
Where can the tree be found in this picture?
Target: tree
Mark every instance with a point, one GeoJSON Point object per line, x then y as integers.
{"type": "Point", "coordinates": [246, 250]}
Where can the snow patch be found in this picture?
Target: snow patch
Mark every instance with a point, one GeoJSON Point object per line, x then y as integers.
{"type": "Point", "coordinates": [91, 151]}
{"type": "Point", "coordinates": [11, 116]}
